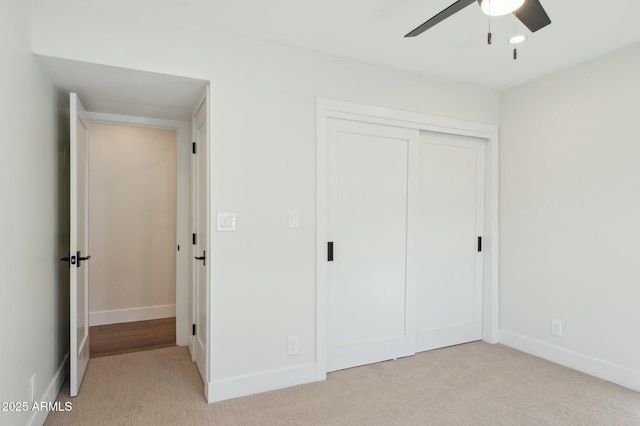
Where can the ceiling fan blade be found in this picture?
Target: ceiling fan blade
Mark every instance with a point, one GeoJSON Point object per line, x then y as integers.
{"type": "Point", "coordinates": [454, 8]}
{"type": "Point", "coordinates": [532, 15]}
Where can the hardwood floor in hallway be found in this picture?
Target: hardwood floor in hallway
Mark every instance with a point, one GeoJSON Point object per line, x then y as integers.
{"type": "Point", "coordinates": [113, 339]}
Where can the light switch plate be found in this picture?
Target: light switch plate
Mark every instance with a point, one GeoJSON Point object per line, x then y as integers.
{"type": "Point", "coordinates": [226, 222]}
{"type": "Point", "coordinates": [294, 219]}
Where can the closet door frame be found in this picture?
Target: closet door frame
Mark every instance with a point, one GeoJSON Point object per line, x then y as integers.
{"type": "Point", "coordinates": [327, 109]}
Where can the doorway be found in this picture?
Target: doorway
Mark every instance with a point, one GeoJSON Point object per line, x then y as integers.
{"type": "Point", "coordinates": [170, 164]}
{"type": "Point", "coordinates": [123, 96]}
{"type": "Point", "coordinates": [132, 223]}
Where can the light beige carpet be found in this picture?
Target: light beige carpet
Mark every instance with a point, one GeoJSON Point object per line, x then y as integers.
{"type": "Point", "coordinates": [472, 384]}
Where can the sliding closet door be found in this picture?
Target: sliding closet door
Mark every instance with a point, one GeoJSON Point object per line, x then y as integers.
{"type": "Point", "coordinates": [371, 283]}
{"type": "Point", "coordinates": [451, 216]}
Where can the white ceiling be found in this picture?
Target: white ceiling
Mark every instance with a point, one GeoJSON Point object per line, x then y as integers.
{"type": "Point", "coordinates": [126, 92]}
{"type": "Point", "coordinates": [373, 30]}
{"type": "Point", "coordinates": [367, 30]}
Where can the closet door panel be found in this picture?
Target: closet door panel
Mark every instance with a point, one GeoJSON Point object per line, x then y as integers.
{"type": "Point", "coordinates": [451, 205]}
{"type": "Point", "coordinates": [368, 287]}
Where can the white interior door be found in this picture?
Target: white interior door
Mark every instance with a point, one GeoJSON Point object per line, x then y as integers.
{"type": "Point", "coordinates": [370, 287]}
{"type": "Point", "coordinates": [451, 217]}
{"type": "Point", "coordinates": [79, 243]}
{"type": "Point", "coordinates": [201, 252]}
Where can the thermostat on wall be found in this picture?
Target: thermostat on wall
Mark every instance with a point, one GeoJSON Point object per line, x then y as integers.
{"type": "Point", "coordinates": [226, 222]}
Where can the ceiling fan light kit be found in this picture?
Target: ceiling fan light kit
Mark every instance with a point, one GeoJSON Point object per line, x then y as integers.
{"type": "Point", "coordinates": [516, 39]}
{"type": "Point", "coordinates": [529, 12]}
{"type": "Point", "coordinates": [499, 7]}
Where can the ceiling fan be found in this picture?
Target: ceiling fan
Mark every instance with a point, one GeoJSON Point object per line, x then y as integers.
{"type": "Point", "coordinates": [529, 12]}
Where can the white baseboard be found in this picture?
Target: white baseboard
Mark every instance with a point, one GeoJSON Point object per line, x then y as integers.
{"type": "Point", "coordinates": [593, 366]}
{"type": "Point", "coordinates": [50, 393]}
{"type": "Point", "coordinates": [132, 314]}
{"type": "Point", "coordinates": [219, 390]}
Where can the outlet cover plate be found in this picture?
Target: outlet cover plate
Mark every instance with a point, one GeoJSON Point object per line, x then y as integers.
{"type": "Point", "coordinates": [34, 387]}
{"type": "Point", "coordinates": [293, 347]}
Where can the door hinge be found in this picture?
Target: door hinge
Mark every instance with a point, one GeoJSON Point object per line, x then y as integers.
{"type": "Point", "coordinates": [193, 147]}
{"type": "Point", "coordinates": [178, 247]}
{"type": "Point", "coordinates": [193, 239]}
{"type": "Point", "coordinates": [330, 251]}
{"type": "Point", "coordinates": [479, 244]}
{"type": "Point", "coordinates": [193, 330]}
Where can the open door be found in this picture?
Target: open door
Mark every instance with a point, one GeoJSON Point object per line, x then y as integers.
{"type": "Point", "coordinates": [201, 232]}
{"type": "Point", "coordinates": [79, 243]}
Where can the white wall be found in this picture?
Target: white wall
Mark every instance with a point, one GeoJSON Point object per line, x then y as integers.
{"type": "Point", "coordinates": [263, 158]}
{"type": "Point", "coordinates": [33, 282]}
{"type": "Point", "coordinates": [132, 223]}
{"type": "Point", "coordinates": [570, 209]}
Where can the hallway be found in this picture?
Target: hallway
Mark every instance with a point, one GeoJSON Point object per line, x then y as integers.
{"type": "Point", "coordinates": [114, 339]}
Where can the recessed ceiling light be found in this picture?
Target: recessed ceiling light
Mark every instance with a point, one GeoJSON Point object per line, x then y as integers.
{"type": "Point", "coordinates": [499, 7]}
{"type": "Point", "coordinates": [517, 39]}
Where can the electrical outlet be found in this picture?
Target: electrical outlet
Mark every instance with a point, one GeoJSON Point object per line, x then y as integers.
{"type": "Point", "coordinates": [34, 387]}
{"type": "Point", "coordinates": [556, 327]}
{"type": "Point", "coordinates": [292, 345]}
